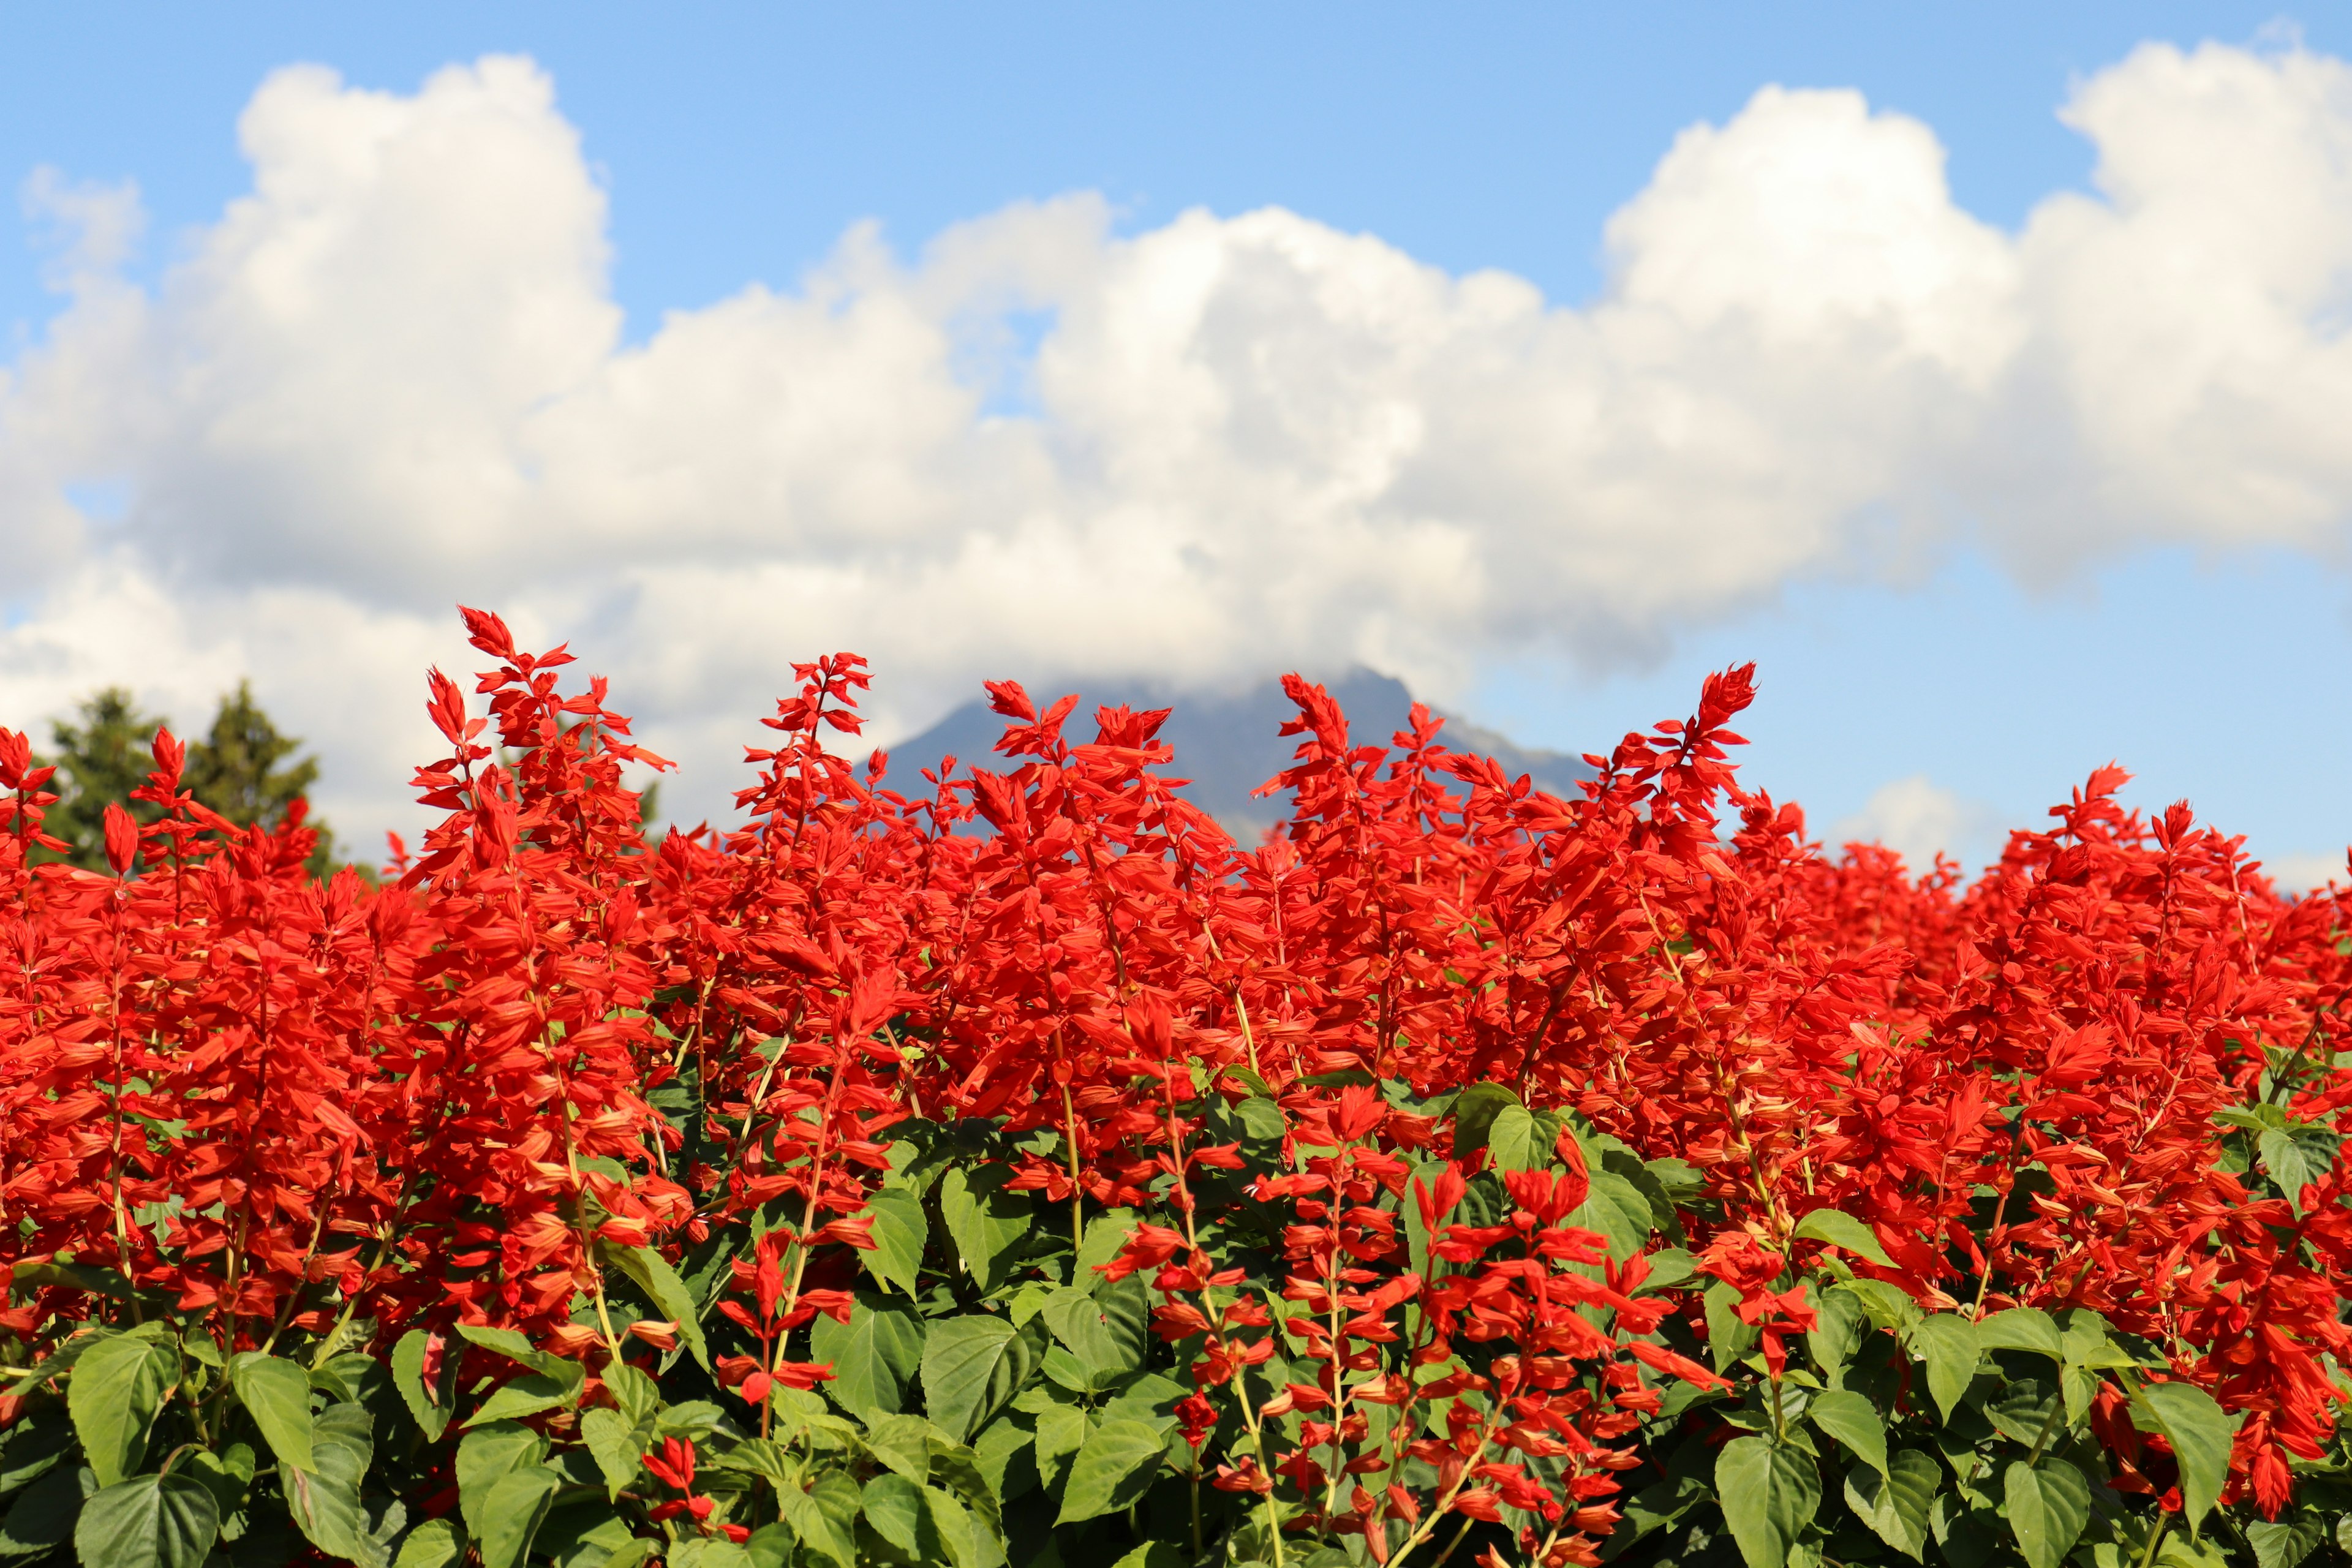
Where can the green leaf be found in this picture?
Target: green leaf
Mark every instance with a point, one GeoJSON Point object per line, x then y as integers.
{"type": "Point", "coordinates": [611, 1441]}
{"type": "Point", "coordinates": [637, 1395]}
{"type": "Point", "coordinates": [2296, 1155]}
{"type": "Point", "coordinates": [1154, 1554]}
{"type": "Point", "coordinates": [277, 1395]}
{"type": "Point", "coordinates": [2021, 1329]}
{"type": "Point", "coordinates": [73, 1276]}
{"type": "Point", "coordinates": [2282, 1543]}
{"type": "Point", "coordinates": [1106, 1233]}
{"type": "Point", "coordinates": [971, 1543]}
{"type": "Point", "coordinates": [33, 1446]}
{"type": "Point", "coordinates": [1836, 1334]}
{"type": "Point", "coordinates": [652, 1274]}
{"type": "Point", "coordinates": [517, 1506]}
{"type": "Point", "coordinates": [1842, 1230]}
{"type": "Point", "coordinates": [2022, 1410]}
{"type": "Point", "coordinates": [894, 1505]}
{"type": "Point", "coordinates": [2201, 1435]}
{"type": "Point", "coordinates": [116, 1388]}
{"type": "Point", "coordinates": [1896, 1505]}
{"type": "Point", "coordinates": [432, 1404]}
{"type": "Point", "coordinates": [1521, 1140]}
{"type": "Point", "coordinates": [1062, 1430]}
{"type": "Point", "coordinates": [971, 1366]}
{"type": "Point", "coordinates": [1616, 1208]}
{"type": "Point", "coordinates": [1109, 1331]}
{"type": "Point", "coordinates": [1769, 1493]}
{"type": "Point", "coordinates": [2048, 1507]}
{"type": "Point", "coordinates": [903, 1443]}
{"type": "Point", "coordinates": [818, 1521]}
{"type": "Point", "coordinates": [530, 1394]}
{"type": "Point", "coordinates": [986, 1223]}
{"type": "Point", "coordinates": [149, 1522]}
{"type": "Point", "coordinates": [1475, 1112]}
{"type": "Point", "coordinates": [874, 1355]}
{"type": "Point", "coordinates": [325, 1496]}
{"type": "Point", "coordinates": [435, 1544]}
{"type": "Point", "coordinates": [487, 1454]}
{"type": "Point", "coordinates": [42, 1514]}
{"type": "Point", "coordinates": [1948, 1343]}
{"type": "Point", "coordinates": [225, 1477]}
{"type": "Point", "coordinates": [1115, 1468]}
{"type": "Point", "coordinates": [1849, 1419]}
{"type": "Point", "coordinates": [896, 1258]}
{"type": "Point", "coordinates": [517, 1349]}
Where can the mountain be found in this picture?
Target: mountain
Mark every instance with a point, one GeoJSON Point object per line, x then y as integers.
{"type": "Point", "coordinates": [1228, 745]}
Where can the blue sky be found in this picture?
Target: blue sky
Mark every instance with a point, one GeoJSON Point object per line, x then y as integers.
{"type": "Point", "coordinates": [737, 145]}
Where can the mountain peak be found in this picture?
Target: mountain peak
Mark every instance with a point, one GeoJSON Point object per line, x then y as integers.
{"type": "Point", "coordinates": [1229, 745]}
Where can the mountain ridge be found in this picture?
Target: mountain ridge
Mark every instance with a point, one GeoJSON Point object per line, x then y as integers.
{"type": "Point", "coordinates": [1227, 745]}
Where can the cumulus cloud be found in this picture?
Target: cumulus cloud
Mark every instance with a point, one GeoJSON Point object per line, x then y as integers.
{"type": "Point", "coordinates": [393, 375]}
{"type": "Point", "coordinates": [1919, 819]}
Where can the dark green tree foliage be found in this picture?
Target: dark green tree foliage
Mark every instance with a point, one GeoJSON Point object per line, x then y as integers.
{"type": "Point", "coordinates": [242, 768]}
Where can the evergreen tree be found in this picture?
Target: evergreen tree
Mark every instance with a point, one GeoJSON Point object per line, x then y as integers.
{"type": "Point", "coordinates": [240, 769]}
{"type": "Point", "coordinates": [102, 758]}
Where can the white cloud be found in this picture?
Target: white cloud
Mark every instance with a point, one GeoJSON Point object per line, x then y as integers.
{"type": "Point", "coordinates": [2306, 873]}
{"type": "Point", "coordinates": [1918, 818]}
{"type": "Point", "coordinates": [391, 376]}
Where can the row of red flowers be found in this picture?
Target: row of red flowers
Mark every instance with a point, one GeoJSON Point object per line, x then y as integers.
{"type": "Point", "coordinates": [646, 1106]}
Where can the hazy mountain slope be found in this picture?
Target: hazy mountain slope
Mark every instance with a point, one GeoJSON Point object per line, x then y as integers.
{"type": "Point", "coordinates": [1227, 746]}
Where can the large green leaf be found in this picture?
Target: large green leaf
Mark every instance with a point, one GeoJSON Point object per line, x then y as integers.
{"type": "Point", "coordinates": [1948, 1343]}
{"type": "Point", "coordinates": [986, 1223]}
{"type": "Point", "coordinates": [897, 1256]}
{"type": "Point", "coordinates": [513, 1512]}
{"type": "Point", "coordinates": [1115, 1468]}
{"type": "Point", "coordinates": [969, 1541]}
{"type": "Point", "coordinates": [2049, 1504]}
{"type": "Point", "coordinates": [2021, 1329]}
{"type": "Point", "coordinates": [652, 1274]}
{"type": "Point", "coordinates": [612, 1442]}
{"type": "Point", "coordinates": [2282, 1543]}
{"type": "Point", "coordinates": [2297, 1155]}
{"type": "Point", "coordinates": [1837, 1328]}
{"type": "Point", "coordinates": [824, 1520]}
{"type": "Point", "coordinates": [1109, 1330]}
{"type": "Point", "coordinates": [225, 1476]}
{"type": "Point", "coordinates": [1475, 1109]}
{"type": "Point", "coordinates": [431, 1403]}
{"type": "Point", "coordinates": [1062, 1431]}
{"type": "Point", "coordinates": [894, 1505]}
{"type": "Point", "coordinates": [435, 1544]}
{"type": "Point", "coordinates": [1842, 1230]}
{"type": "Point", "coordinates": [516, 1348]}
{"type": "Point", "coordinates": [1849, 1419]}
{"type": "Point", "coordinates": [874, 1355]}
{"type": "Point", "coordinates": [2201, 1433]}
{"type": "Point", "coordinates": [325, 1496]}
{"type": "Point", "coordinates": [1896, 1504]}
{"type": "Point", "coordinates": [115, 1390]}
{"type": "Point", "coordinates": [1616, 1208]}
{"type": "Point", "coordinates": [487, 1454]}
{"type": "Point", "coordinates": [904, 1443]}
{"type": "Point", "coordinates": [148, 1521]}
{"type": "Point", "coordinates": [277, 1395]}
{"type": "Point", "coordinates": [529, 1394]}
{"type": "Point", "coordinates": [2023, 1411]}
{"type": "Point", "coordinates": [1769, 1493]}
{"type": "Point", "coordinates": [971, 1366]}
{"type": "Point", "coordinates": [1522, 1140]}
{"type": "Point", "coordinates": [42, 1514]}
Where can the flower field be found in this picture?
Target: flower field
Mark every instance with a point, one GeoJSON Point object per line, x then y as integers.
{"type": "Point", "coordinates": [1010, 1169]}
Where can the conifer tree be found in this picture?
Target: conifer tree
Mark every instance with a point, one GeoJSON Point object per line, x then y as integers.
{"type": "Point", "coordinates": [240, 769]}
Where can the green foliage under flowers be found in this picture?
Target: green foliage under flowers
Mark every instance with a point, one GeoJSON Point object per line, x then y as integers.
{"type": "Point", "coordinates": [997, 1400]}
